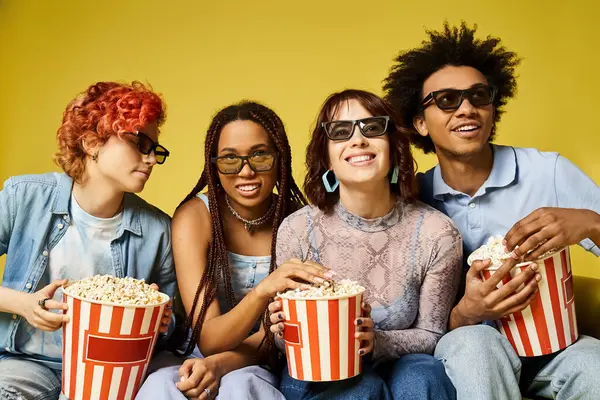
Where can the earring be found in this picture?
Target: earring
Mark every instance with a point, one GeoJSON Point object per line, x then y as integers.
{"type": "Point", "coordinates": [330, 187]}
{"type": "Point", "coordinates": [95, 156]}
{"type": "Point", "coordinates": [394, 179]}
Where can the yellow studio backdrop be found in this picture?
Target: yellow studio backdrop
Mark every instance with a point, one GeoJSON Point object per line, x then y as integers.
{"type": "Point", "coordinates": [205, 55]}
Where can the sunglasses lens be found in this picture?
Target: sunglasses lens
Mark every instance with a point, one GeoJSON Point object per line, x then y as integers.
{"type": "Point", "coordinates": [262, 162]}
{"type": "Point", "coordinates": [339, 130]}
{"type": "Point", "coordinates": [481, 96]}
{"type": "Point", "coordinates": [145, 144]}
{"type": "Point", "coordinates": [161, 154]}
{"type": "Point", "coordinates": [229, 165]}
{"type": "Point", "coordinates": [448, 99]}
{"type": "Point", "coordinates": [375, 126]}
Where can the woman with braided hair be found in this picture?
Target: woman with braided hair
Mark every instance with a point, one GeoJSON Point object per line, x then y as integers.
{"type": "Point", "coordinates": [223, 244]}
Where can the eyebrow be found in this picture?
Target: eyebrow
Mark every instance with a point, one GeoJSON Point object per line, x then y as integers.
{"type": "Point", "coordinates": [255, 147]}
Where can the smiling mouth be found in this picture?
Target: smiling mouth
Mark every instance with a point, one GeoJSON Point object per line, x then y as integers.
{"type": "Point", "coordinates": [360, 159]}
{"type": "Point", "coordinates": [467, 128]}
{"type": "Point", "coordinates": [248, 188]}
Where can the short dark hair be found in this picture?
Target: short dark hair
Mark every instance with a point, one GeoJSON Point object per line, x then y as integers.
{"type": "Point", "coordinates": [317, 156]}
{"type": "Point", "coordinates": [452, 46]}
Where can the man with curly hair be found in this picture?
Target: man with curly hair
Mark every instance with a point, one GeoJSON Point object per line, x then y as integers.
{"type": "Point", "coordinates": [451, 92]}
{"type": "Point", "coordinates": [86, 221]}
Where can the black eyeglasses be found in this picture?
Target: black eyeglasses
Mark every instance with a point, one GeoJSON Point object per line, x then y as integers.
{"type": "Point", "coordinates": [369, 127]}
{"type": "Point", "coordinates": [451, 99]}
{"type": "Point", "coordinates": [146, 145]}
{"type": "Point", "coordinates": [233, 164]}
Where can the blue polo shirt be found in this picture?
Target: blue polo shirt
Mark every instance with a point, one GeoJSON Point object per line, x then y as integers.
{"type": "Point", "coordinates": [521, 181]}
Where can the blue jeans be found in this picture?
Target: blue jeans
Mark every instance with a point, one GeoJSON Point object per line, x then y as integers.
{"type": "Point", "coordinates": [413, 376]}
{"type": "Point", "coordinates": [483, 365]}
{"type": "Point", "coordinates": [24, 379]}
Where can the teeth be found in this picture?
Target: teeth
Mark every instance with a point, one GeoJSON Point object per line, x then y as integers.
{"type": "Point", "coordinates": [248, 188]}
{"type": "Point", "coordinates": [356, 159]}
{"type": "Point", "coordinates": [467, 128]}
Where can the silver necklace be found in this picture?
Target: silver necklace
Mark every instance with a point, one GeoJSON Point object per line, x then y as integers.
{"type": "Point", "coordinates": [250, 224]}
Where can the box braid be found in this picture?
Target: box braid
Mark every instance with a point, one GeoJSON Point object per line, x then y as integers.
{"type": "Point", "coordinates": [288, 199]}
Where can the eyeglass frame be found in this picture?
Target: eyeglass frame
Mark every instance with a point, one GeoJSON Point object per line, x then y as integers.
{"type": "Point", "coordinates": [430, 98]}
{"type": "Point", "coordinates": [154, 147]}
{"type": "Point", "coordinates": [355, 122]}
{"type": "Point", "coordinates": [245, 160]}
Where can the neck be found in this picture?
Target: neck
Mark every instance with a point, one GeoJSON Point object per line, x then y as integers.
{"type": "Point", "coordinates": [98, 198]}
{"type": "Point", "coordinates": [370, 202]}
{"type": "Point", "coordinates": [467, 173]}
{"type": "Point", "coordinates": [252, 213]}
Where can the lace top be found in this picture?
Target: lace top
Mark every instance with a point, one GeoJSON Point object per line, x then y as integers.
{"type": "Point", "coordinates": [409, 261]}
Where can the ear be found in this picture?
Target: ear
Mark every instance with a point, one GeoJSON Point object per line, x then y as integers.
{"type": "Point", "coordinates": [89, 149]}
{"type": "Point", "coordinates": [420, 125]}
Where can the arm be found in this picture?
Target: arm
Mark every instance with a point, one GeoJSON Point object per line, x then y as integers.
{"type": "Point", "coordinates": [192, 235]}
{"type": "Point", "coordinates": [437, 294]}
{"type": "Point", "coordinates": [575, 220]}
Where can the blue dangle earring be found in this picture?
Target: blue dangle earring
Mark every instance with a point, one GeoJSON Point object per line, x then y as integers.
{"type": "Point", "coordinates": [330, 181]}
{"type": "Point", "coordinates": [394, 179]}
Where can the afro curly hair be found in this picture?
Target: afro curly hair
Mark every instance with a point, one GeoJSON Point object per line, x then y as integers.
{"type": "Point", "coordinates": [453, 46]}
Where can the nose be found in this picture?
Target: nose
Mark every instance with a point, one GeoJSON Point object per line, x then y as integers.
{"type": "Point", "coordinates": [246, 171]}
{"type": "Point", "coordinates": [466, 109]}
{"type": "Point", "coordinates": [357, 138]}
{"type": "Point", "coordinates": [149, 159]}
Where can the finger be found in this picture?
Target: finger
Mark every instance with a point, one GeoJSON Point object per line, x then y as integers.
{"type": "Point", "coordinates": [307, 274]}
{"type": "Point", "coordinates": [154, 286]}
{"type": "Point", "coordinates": [50, 318]}
{"type": "Point", "coordinates": [518, 299]}
{"type": "Point", "coordinates": [186, 369]}
{"type": "Point", "coordinates": [55, 305]}
{"type": "Point", "coordinates": [292, 284]}
{"type": "Point", "coordinates": [364, 335]}
{"type": "Point", "coordinates": [213, 392]}
{"type": "Point", "coordinates": [367, 348]}
{"type": "Point", "coordinates": [523, 229]}
{"type": "Point", "coordinates": [277, 317]}
{"type": "Point", "coordinates": [274, 306]}
{"type": "Point", "coordinates": [50, 289]}
{"type": "Point", "coordinates": [315, 266]}
{"type": "Point", "coordinates": [534, 241]}
{"type": "Point", "coordinates": [366, 307]}
{"type": "Point", "coordinates": [499, 275]}
{"type": "Point", "coordinates": [521, 306]}
{"type": "Point", "coordinates": [364, 322]}
{"type": "Point", "coordinates": [198, 390]}
{"type": "Point", "coordinates": [511, 287]}
{"type": "Point", "coordinates": [475, 269]}
{"type": "Point", "coordinates": [552, 244]}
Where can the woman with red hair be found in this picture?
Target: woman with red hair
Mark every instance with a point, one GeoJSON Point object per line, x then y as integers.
{"type": "Point", "coordinates": [57, 227]}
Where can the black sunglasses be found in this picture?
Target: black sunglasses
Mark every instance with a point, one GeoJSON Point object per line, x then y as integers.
{"type": "Point", "coordinates": [233, 164]}
{"type": "Point", "coordinates": [369, 127]}
{"type": "Point", "coordinates": [451, 99]}
{"type": "Point", "coordinates": [146, 145]}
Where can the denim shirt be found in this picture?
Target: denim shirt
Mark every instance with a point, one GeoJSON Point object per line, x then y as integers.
{"type": "Point", "coordinates": [34, 212]}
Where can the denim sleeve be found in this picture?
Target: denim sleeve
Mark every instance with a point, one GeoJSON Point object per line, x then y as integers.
{"type": "Point", "coordinates": [7, 215]}
{"type": "Point", "coordinates": [574, 189]}
{"type": "Point", "coordinates": [167, 280]}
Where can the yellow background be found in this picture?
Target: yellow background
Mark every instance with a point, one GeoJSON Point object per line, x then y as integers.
{"type": "Point", "coordinates": [288, 54]}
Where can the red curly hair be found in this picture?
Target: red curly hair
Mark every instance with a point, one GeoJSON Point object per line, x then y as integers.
{"type": "Point", "coordinates": [104, 109]}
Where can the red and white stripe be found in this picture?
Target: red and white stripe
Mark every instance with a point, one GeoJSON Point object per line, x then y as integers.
{"type": "Point", "coordinates": [107, 349]}
{"type": "Point", "coordinates": [319, 338]}
{"type": "Point", "coordinates": [548, 324]}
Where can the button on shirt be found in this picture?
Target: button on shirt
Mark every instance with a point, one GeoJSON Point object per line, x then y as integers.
{"type": "Point", "coordinates": [521, 181]}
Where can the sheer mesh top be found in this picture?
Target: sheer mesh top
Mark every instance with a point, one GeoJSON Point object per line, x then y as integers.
{"type": "Point", "coordinates": [409, 261]}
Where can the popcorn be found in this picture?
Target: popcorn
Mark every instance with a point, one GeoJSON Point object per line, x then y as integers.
{"type": "Point", "coordinates": [119, 291]}
{"type": "Point", "coordinates": [345, 287]}
{"type": "Point", "coordinates": [496, 252]}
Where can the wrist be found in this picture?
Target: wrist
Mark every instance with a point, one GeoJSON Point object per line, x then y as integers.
{"type": "Point", "coordinates": [463, 316]}
{"type": "Point", "coordinates": [259, 294]}
{"type": "Point", "coordinates": [594, 230]}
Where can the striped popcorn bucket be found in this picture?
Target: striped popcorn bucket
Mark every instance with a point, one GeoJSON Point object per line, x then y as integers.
{"type": "Point", "coordinates": [319, 337]}
{"type": "Point", "coordinates": [107, 348]}
{"type": "Point", "coordinates": [548, 324]}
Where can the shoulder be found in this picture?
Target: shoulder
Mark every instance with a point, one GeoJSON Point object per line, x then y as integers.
{"type": "Point", "coordinates": [298, 220]}
{"type": "Point", "coordinates": [425, 185]}
{"type": "Point", "coordinates": [433, 222]}
{"type": "Point", "coordinates": [192, 217]}
{"type": "Point", "coordinates": [51, 179]}
{"type": "Point", "coordinates": [532, 158]}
